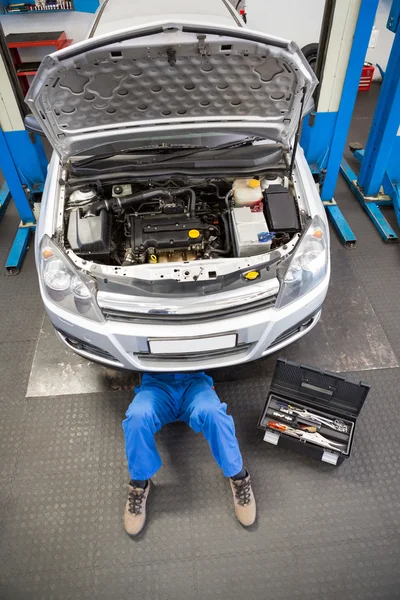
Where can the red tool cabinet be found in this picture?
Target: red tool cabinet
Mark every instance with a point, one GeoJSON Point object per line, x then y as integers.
{"type": "Point", "coordinates": [58, 39]}
{"type": "Point", "coordinates": [366, 77]}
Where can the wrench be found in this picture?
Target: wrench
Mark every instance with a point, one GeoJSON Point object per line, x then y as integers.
{"type": "Point", "coordinates": [336, 424]}
{"type": "Point", "coordinates": [306, 435]}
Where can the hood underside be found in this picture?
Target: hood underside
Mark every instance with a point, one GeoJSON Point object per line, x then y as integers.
{"type": "Point", "coordinates": [165, 78]}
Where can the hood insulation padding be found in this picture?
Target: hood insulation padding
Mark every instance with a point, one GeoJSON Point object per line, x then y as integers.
{"type": "Point", "coordinates": [142, 81]}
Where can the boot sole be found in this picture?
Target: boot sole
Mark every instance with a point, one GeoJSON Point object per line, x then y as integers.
{"type": "Point", "coordinates": [247, 526]}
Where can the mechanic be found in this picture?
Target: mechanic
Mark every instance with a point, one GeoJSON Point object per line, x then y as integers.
{"type": "Point", "coordinates": [167, 397]}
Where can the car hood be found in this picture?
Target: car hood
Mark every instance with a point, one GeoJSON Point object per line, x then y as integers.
{"type": "Point", "coordinates": [169, 77]}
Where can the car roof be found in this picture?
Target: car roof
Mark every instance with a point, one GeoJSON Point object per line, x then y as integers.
{"type": "Point", "coordinates": [120, 14]}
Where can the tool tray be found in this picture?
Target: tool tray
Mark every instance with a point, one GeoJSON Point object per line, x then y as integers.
{"type": "Point", "coordinates": [301, 389]}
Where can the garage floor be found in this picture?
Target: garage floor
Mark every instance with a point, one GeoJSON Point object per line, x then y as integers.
{"type": "Point", "coordinates": [322, 532]}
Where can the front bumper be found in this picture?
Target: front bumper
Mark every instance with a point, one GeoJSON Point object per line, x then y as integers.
{"type": "Point", "coordinates": [125, 345]}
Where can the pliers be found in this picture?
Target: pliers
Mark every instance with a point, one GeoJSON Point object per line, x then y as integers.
{"type": "Point", "coordinates": [337, 424]}
{"type": "Point", "coordinates": [306, 435]}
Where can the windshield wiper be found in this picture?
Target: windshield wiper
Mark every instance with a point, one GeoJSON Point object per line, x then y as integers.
{"type": "Point", "coordinates": [156, 148]}
{"type": "Point", "coordinates": [173, 153]}
{"type": "Point", "coordinates": [248, 141]}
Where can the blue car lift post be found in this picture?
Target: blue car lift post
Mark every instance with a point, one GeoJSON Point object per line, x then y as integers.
{"type": "Point", "coordinates": [23, 201]}
{"type": "Point", "coordinates": [23, 161]}
{"type": "Point", "coordinates": [345, 33]}
{"type": "Point", "coordinates": [5, 197]}
{"type": "Point", "coordinates": [378, 183]}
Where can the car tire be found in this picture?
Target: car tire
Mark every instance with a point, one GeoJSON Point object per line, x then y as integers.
{"type": "Point", "coordinates": [311, 52]}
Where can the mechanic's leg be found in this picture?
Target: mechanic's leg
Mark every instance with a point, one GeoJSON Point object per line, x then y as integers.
{"type": "Point", "coordinates": [152, 407]}
{"type": "Point", "coordinates": [203, 411]}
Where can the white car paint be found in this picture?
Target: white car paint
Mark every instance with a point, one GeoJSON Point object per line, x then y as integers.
{"type": "Point", "coordinates": [127, 344]}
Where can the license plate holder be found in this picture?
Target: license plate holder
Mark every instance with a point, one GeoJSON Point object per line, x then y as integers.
{"type": "Point", "coordinates": [193, 345]}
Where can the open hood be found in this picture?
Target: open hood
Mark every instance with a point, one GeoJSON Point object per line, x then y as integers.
{"type": "Point", "coordinates": [166, 78]}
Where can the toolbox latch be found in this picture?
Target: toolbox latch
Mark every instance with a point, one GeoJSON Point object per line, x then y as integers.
{"type": "Point", "coordinates": [271, 437]}
{"type": "Point", "coordinates": [329, 457]}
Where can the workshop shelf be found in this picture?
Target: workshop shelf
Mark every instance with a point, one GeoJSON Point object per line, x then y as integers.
{"type": "Point", "coordinates": [24, 8]}
{"type": "Point", "coordinates": [27, 68]}
{"type": "Point", "coordinates": [57, 39]}
{"type": "Point", "coordinates": [30, 7]}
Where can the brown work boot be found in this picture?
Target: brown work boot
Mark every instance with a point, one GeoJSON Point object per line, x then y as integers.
{"type": "Point", "coordinates": [244, 501]}
{"type": "Point", "coordinates": [135, 509]}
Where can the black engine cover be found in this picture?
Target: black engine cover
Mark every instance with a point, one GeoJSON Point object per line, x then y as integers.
{"type": "Point", "coordinates": [164, 232]}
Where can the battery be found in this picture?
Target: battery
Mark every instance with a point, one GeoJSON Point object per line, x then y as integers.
{"type": "Point", "coordinates": [251, 232]}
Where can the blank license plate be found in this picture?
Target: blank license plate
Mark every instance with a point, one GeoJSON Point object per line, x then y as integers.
{"type": "Point", "coordinates": [192, 345]}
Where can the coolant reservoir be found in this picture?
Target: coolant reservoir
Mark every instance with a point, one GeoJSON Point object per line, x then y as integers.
{"type": "Point", "coordinates": [246, 192]}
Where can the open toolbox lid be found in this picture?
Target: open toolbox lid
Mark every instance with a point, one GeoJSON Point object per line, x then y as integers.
{"type": "Point", "coordinates": [327, 391]}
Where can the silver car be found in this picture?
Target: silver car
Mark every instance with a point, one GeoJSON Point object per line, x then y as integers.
{"type": "Point", "coordinates": [180, 226]}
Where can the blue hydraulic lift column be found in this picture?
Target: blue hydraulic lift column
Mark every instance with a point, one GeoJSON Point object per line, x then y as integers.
{"type": "Point", "coordinates": [23, 161]}
{"type": "Point", "coordinates": [325, 131]}
{"type": "Point", "coordinates": [378, 182]}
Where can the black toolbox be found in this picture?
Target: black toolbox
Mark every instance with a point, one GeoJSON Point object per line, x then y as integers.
{"type": "Point", "coordinates": [305, 403]}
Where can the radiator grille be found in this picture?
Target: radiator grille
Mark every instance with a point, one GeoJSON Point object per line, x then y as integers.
{"type": "Point", "coordinates": [152, 318]}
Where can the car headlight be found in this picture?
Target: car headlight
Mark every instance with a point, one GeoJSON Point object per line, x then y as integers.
{"type": "Point", "coordinates": [64, 286]}
{"type": "Point", "coordinates": [308, 266]}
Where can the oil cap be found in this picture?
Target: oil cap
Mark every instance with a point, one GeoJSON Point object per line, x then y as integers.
{"type": "Point", "coordinates": [194, 234]}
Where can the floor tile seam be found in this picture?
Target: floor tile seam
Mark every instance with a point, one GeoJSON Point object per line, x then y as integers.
{"type": "Point", "coordinates": [378, 368]}
{"type": "Point", "coordinates": [358, 541]}
{"type": "Point", "coordinates": [372, 371]}
{"type": "Point", "coordinates": [296, 545]}
{"type": "Point", "coordinates": [144, 563]}
{"type": "Point", "coordinates": [254, 552]}
{"type": "Point", "coordinates": [197, 591]}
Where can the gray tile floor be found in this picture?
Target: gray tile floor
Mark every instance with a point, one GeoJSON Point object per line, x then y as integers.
{"type": "Point", "coordinates": [322, 532]}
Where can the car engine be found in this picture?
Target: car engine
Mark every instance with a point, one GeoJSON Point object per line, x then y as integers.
{"type": "Point", "coordinates": [178, 220]}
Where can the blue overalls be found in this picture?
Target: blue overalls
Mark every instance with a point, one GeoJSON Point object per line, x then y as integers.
{"type": "Point", "coordinates": [165, 398]}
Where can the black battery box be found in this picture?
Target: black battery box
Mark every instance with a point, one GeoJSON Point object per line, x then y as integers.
{"type": "Point", "coordinates": [281, 210]}
{"type": "Point", "coordinates": [90, 237]}
{"type": "Point", "coordinates": [312, 411]}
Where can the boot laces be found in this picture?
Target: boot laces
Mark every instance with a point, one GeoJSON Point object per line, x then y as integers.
{"type": "Point", "coordinates": [135, 500]}
{"type": "Point", "coordinates": [243, 492]}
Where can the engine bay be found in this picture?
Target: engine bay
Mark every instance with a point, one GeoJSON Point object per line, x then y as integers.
{"type": "Point", "coordinates": [176, 220]}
